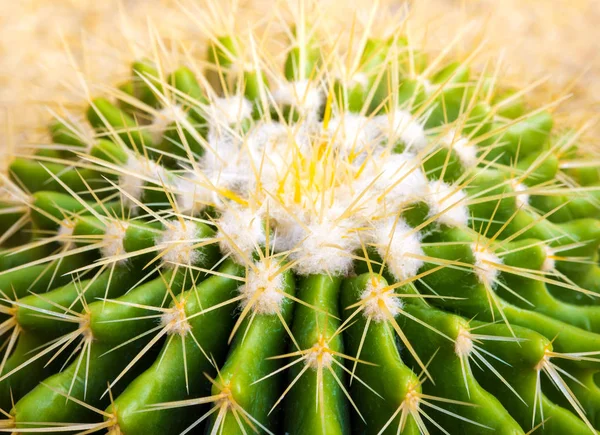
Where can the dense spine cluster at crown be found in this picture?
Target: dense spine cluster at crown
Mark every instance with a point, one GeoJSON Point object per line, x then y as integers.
{"type": "Point", "coordinates": [352, 237]}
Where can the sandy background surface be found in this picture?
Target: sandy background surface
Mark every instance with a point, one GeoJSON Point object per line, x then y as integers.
{"type": "Point", "coordinates": [554, 39]}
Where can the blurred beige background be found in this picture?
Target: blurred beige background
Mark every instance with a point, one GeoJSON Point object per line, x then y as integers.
{"type": "Point", "coordinates": [557, 39]}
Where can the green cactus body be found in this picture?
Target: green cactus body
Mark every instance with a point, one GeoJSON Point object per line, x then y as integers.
{"type": "Point", "coordinates": [348, 238]}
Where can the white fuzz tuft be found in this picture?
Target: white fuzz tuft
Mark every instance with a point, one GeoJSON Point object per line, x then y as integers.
{"type": "Point", "coordinates": [467, 153]}
{"type": "Point", "coordinates": [288, 225]}
{"type": "Point", "coordinates": [231, 110]}
{"type": "Point", "coordinates": [193, 195]}
{"type": "Point", "coordinates": [166, 116]}
{"type": "Point", "coordinates": [226, 163]}
{"type": "Point", "coordinates": [84, 326]}
{"type": "Point", "coordinates": [112, 242]}
{"type": "Point", "coordinates": [429, 87]}
{"type": "Point", "coordinates": [400, 179]}
{"type": "Point", "coordinates": [395, 243]}
{"type": "Point", "coordinates": [355, 135]}
{"type": "Point", "coordinates": [177, 240]}
{"type": "Point", "coordinates": [234, 176]}
{"type": "Point", "coordinates": [136, 173]}
{"type": "Point", "coordinates": [412, 400]}
{"type": "Point", "coordinates": [484, 265]}
{"type": "Point", "coordinates": [175, 320]}
{"type": "Point", "coordinates": [319, 355]}
{"type": "Point", "coordinates": [387, 183]}
{"type": "Point", "coordinates": [327, 247]}
{"type": "Point", "coordinates": [267, 138]}
{"type": "Point", "coordinates": [522, 199]}
{"type": "Point", "coordinates": [549, 262]}
{"type": "Point", "coordinates": [264, 288]}
{"type": "Point", "coordinates": [463, 345]}
{"type": "Point", "coordinates": [448, 202]}
{"type": "Point", "coordinates": [271, 155]}
{"type": "Point", "coordinates": [362, 137]}
{"type": "Point", "coordinates": [359, 79]}
{"type": "Point", "coordinates": [65, 233]}
{"type": "Point", "coordinates": [241, 232]}
{"type": "Point", "coordinates": [380, 302]}
{"type": "Point", "coordinates": [300, 94]}
{"type": "Point", "coordinates": [401, 126]}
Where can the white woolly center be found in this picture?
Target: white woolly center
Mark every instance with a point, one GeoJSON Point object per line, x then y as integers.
{"type": "Point", "coordinates": [398, 179]}
{"type": "Point", "coordinates": [269, 150]}
{"type": "Point", "coordinates": [400, 125]}
{"type": "Point", "coordinates": [175, 320]}
{"type": "Point", "coordinates": [233, 174]}
{"type": "Point", "coordinates": [359, 79]}
{"type": "Point", "coordinates": [300, 94]}
{"type": "Point", "coordinates": [112, 242]}
{"type": "Point", "coordinates": [463, 345]}
{"type": "Point", "coordinates": [354, 134]}
{"type": "Point", "coordinates": [322, 188]}
{"type": "Point", "coordinates": [241, 233]}
{"type": "Point", "coordinates": [288, 224]}
{"type": "Point", "coordinates": [398, 244]}
{"type": "Point", "coordinates": [231, 163]}
{"type": "Point", "coordinates": [549, 262]}
{"type": "Point", "coordinates": [164, 117]}
{"type": "Point", "coordinates": [485, 260]}
{"type": "Point", "coordinates": [177, 240]}
{"type": "Point", "coordinates": [467, 153]}
{"type": "Point", "coordinates": [231, 110]}
{"type": "Point", "coordinates": [192, 195]}
{"type": "Point", "coordinates": [327, 246]}
{"type": "Point", "coordinates": [359, 137]}
{"type": "Point", "coordinates": [448, 202]}
{"type": "Point", "coordinates": [267, 138]}
{"type": "Point", "coordinates": [521, 199]}
{"type": "Point", "coordinates": [136, 173]}
{"type": "Point", "coordinates": [263, 288]}
{"type": "Point", "coordinates": [379, 302]}
{"type": "Point", "coordinates": [386, 184]}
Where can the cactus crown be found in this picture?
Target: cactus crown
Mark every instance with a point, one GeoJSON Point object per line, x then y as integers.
{"type": "Point", "coordinates": [357, 237]}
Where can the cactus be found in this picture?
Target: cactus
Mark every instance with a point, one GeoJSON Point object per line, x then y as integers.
{"type": "Point", "coordinates": [369, 240]}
